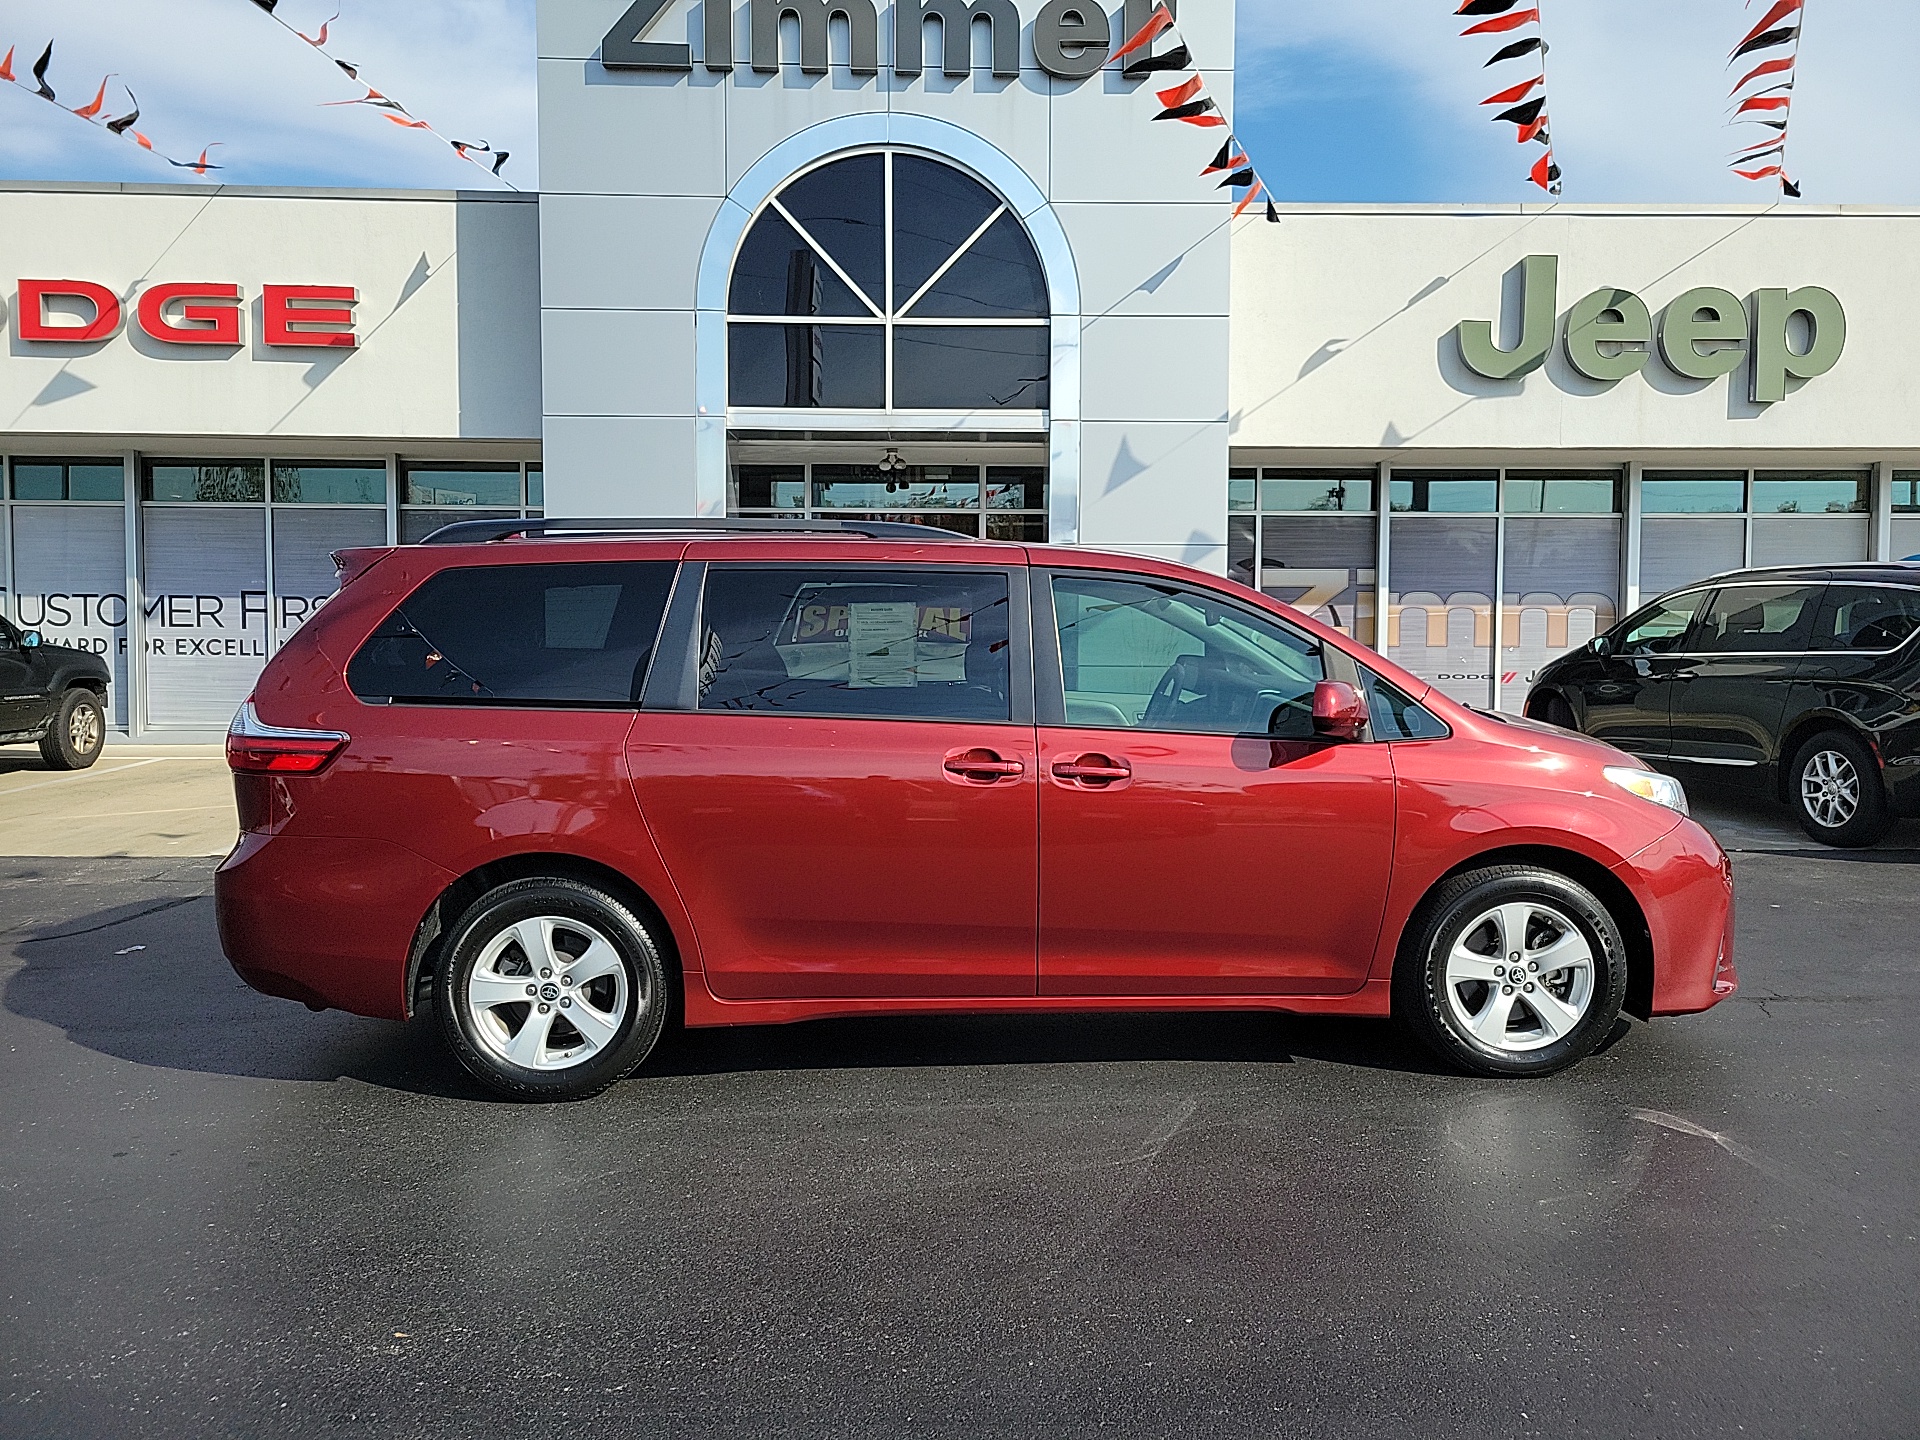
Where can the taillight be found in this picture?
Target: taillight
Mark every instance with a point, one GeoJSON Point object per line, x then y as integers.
{"type": "Point", "coordinates": [257, 748]}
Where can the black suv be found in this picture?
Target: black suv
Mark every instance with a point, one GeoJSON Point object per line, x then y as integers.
{"type": "Point", "coordinates": [53, 694]}
{"type": "Point", "coordinates": [1805, 679]}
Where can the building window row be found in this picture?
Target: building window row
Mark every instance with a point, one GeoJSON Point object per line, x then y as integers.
{"type": "Point", "coordinates": [991, 502]}
{"type": "Point", "coordinates": [188, 592]}
{"type": "Point", "coordinates": [1480, 577]}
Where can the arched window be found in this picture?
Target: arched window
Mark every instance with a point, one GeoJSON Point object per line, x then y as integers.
{"type": "Point", "coordinates": [919, 287]}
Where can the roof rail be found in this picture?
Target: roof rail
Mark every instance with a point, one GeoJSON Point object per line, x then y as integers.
{"type": "Point", "coordinates": [477, 532]}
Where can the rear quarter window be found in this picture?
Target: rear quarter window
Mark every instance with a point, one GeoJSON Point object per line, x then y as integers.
{"type": "Point", "coordinates": [1866, 617]}
{"type": "Point", "coordinates": [564, 635]}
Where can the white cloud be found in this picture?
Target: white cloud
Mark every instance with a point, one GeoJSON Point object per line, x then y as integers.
{"type": "Point", "coordinates": [222, 70]}
{"type": "Point", "coordinates": [1638, 89]}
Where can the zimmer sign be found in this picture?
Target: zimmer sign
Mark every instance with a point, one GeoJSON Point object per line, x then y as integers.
{"type": "Point", "coordinates": [1071, 38]}
{"type": "Point", "coordinates": [1704, 333]}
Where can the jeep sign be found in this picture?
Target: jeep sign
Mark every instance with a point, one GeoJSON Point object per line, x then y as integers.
{"type": "Point", "coordinates": [1610, 334]}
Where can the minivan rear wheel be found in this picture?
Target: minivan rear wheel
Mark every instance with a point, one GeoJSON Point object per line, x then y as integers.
{"type": "Point", "coordinates": [1513, 970]}
{"type": "Point", "coordinates": [552, 989]}
{"type": "Point", "coordinates": [1836, 793]}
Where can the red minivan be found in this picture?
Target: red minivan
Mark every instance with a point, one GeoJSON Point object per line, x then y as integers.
{"type": "Point", "coordinates": [574, 780]}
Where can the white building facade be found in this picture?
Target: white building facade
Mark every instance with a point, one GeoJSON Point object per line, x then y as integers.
{"type": "Point", "coordinates": [787, 263]}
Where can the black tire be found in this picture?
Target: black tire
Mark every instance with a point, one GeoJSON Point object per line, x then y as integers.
{"type": "Point", "coordinates": [481, 1034]}
{"type": "Point", "coordinates": [1835, 778]}
{"type": "Point", "coordinates": [1554, 710]}
{"type": "Point", "coordinates": [79, 731]}
{"type": "Point", "coordinates": [1458, 913]}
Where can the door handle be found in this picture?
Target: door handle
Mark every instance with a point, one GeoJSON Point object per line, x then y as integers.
{"type": "Point", "coordinates": [1094, 771]}
{"type": "Point", "coordinates": [981, 767]}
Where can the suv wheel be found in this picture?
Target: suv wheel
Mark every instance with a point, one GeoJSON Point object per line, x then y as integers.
{"type": "Point", "coordinates": [1836, 792]}
{"type": "Point", "coordinates": [551, 990]}
{"type": "Point", "coordinates": [1554, 710]}
{"type": "Point", "coordinates": [79, 730]}
{"type": "Point", "coordinates": [1513, 970]}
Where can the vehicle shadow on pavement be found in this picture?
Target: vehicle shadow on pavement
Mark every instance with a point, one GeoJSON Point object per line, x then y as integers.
{"type": "Point", "coordinates": [146, 982]}
{"type": "Point", "coordinates": [1240, 1037]}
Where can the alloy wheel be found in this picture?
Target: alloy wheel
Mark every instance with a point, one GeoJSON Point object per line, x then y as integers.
{"type": "Point", "coordinates": [1520, 977]}
{"type": "Point", "coordinates": [83, 729]}
{"type": "Point", "coordinates": [1830, 789]}
{"type": "Point", "coordinates": [548, 993]}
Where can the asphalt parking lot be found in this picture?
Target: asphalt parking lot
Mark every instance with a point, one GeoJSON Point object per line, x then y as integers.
{"type": "Point", "coordinates": [227, 1216]}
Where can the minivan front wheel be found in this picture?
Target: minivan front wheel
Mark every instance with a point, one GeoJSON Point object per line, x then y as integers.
{"type": "Point", "coordinates": [1836, 792]}
{"type": "Point", "coordinates": [551, 989]}
{"type": "Point", "coordinates": [1513, 970]}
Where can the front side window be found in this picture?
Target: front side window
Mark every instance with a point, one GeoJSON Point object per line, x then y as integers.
{"type": "Point", "coordinates": [1659, 629]}
{"type": "Point", "coordinates": [906, 643]}
{"type": "Point", "coordinates": [1144, 656]}
{"type": "Point", "coordinates": [1866, 617]}
{"type": "Point", "coordinates": [888, 281]}
{"type": "Point", "coordinates": [1395, 715]}
{"type": "Point", "coordinates": [557, 635]}
{"type": "Point", "coordinates": [1756, 619]}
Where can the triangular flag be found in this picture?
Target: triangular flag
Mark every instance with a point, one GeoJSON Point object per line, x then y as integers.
{"type": "Point", "coordinates": [1518, 92]}
{"type": "Point", "coordinates": [1178, 58]}
{"type": "Point", "coordinates": [1181, 93]}
{"type": "Point", "coordinates": [1768, 41]}
{"type": "Point", "coordinates": [88, 111]}
{"type": "Point", "coordinates": [1772, 67]}
{"type": "Point", "coordinates": [1517, 49]}
{"type": "Point", "coordinates": [1779, 12]}
{"type": "Point", "coordinates": [1503, 23]}
{"type": "Point", "coordinates": [1146, 34]}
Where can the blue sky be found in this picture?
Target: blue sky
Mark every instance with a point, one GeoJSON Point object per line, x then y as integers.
{"type": "Point", "coordinates": [1340, 100]}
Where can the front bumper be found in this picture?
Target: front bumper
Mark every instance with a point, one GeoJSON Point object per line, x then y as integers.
{"type": "Point", "coordinates": [1684, 883]}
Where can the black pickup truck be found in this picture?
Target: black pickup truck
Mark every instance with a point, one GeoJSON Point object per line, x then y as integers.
{"type": "Point", "coordinates": [52, 694]}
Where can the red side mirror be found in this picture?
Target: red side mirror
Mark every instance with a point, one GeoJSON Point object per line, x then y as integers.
{"type": "Point", "coordinates": [1339, 711]}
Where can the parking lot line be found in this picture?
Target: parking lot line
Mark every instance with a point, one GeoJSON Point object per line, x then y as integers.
{"type": "Point", "coordinates": [73, 777]}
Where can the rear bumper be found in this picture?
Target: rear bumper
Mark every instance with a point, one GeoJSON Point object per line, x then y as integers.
{"type": "Point", "coordinates": [1685, 886]}
{"type": "Point", "coordinates": [326, 922]}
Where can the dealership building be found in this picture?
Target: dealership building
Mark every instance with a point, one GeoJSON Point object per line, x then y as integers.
{"type": "Point", "coordinates": [792, 259]}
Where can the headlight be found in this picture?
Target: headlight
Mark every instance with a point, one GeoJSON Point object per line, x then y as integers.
{"type": "Point", "coordinates": [1650, 785]}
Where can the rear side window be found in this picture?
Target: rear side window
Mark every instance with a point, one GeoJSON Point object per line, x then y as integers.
{"type": "Point", "coordinates": [907, 643]}
{"type": "Point", "coordinates": [563, 635]}
{"type": "Point", "coordinates": [1756, 619]}
{"type": "Point", "coordinates": [1866, 617]}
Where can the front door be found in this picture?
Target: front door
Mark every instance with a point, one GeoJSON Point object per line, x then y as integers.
{"type": "Point", "coordinates": [847, 798]}
{"type": "Point", "coordinates": [1743, 655]}
{"type": "Point", "coordinates": [1629, 699]}
{"type": "Point", "coordinates": [1195, 838]}
{"type": "Point", "coordinates": [23, 704]}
